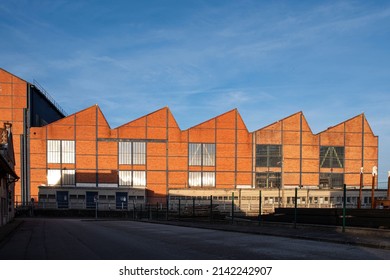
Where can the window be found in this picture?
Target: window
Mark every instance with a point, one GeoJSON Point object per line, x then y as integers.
{"type": "Point", "coordinates": [268, 179]}
{"type": "Point", "coordinates": [201, 179]}
{"type": "Point", "coordinates": [201, 154]}
{"type": "Point", "coordinates": [331, 180]}
{"type": "Point", "coordinates": [60, 151]}
{"type": "Point", "coordinates": [268, 155]}
{"type": "Point", "coordinates": [331, 157]}
{"type": "Point", "coordinates": [132, 153]}
{"type": "Point", "coordinates": [132, 178]}
{"type": "Point", "coordinates": [57, 177]}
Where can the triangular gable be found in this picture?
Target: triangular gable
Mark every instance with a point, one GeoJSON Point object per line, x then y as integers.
{"type": "Point", "coordinates": [276, 125]}
{"type": "Point", "coordinates": [353, 124]}
{"type": "Point", "coordinates": [7, 77]}
{"type": "Point", "coordinates": [367, 127]}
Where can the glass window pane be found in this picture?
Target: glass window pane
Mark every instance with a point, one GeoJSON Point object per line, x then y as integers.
{"type": "Point", "coordinates": [195, 179]}
{"type": "Point", "coordinates": [54, 177]}
{"type": "Point", "coordinates": [268, 180]}
{"type": "Point", "coordinates": [139, 152]}
{"type": "Point", "coordinates": [125, 152]}
{"type": "Point", "coordinates": [268, 155]}
{"type": "Point", "coordinates": [331, 180]}
{"type": "Point", "coordinates": [332, 157]}
{"type": "Point", "coordinates": [68, 177]}
{"type": "Point", "coordinates": [68, 153]}
{"type": "Point", "coordinates": [125, 178]}
{"type": "Point", "coordinates": [208, 179]}
{"type": "Point", "coordinates": [53, 151]}
{"type": "Point", "coordinates": [208, 154]}
{"type": "Point", "coordinates": [139, 178]}
{"type": "Point", "coordinates": [195, 154]}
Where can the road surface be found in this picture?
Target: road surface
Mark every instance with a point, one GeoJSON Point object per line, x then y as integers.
{"type": "Point", "coordinates": [75, 239]}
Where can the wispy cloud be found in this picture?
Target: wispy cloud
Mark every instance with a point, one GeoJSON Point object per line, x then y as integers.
{"type": "Point", "coordinates": [202, 58]}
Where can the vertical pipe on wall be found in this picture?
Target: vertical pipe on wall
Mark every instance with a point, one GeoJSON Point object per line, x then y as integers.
{"type": "Point", "coordinates": [344, 204]}
{"type": "Point", "coordinates": [254, 143]}
{"type": "Point", "coordinates": [300, 150]}
{"type": "Point", "coordinates": [388, 185]}
{"type": "Point", "coordinates": [167, 155]}
{"type": "Point", "coordinates": [282, 170]}
{"type": "Point", "coordinates": [235, 149]}
{"type": "Point", "coordinates": [97, 147]}
{"type": "Point", "coordinates": [359, 203]}
{"type": "Point", "coordinates": [362, 141]}
{"type": "Point", "coordinates": [374, 173]}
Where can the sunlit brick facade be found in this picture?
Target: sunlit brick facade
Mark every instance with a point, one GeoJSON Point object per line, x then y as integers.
{"type": "Point", "coordinates": [80, 158]}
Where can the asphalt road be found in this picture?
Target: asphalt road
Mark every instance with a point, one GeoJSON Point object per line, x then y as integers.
{"type": "Point", "coordinates": [75, 239]}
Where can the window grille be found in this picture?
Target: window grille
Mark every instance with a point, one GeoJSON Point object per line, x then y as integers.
{"type": "Point", "coordinates": [331, 180]}
{"type": "Point", "coordinates": [268, 155]}
{"type": "Point", "coordinates": [201, 154]}
{"type": "Point", "coordinates": [53, 151]}
{"type": "Point", "coordinates": [132, 178]}
{"type": "Point", "coordinates": [60, 151]}
{"type": "Point", "coordinates": [124, 152]}
{"type": "Point", "coordinates": [201, 179]}
{"type": "Point", "coordinates": [58, 177]}
{"type": "Point", "coordinates": [125, 178]}
{"type": "Point", "coordinates": [67, 151]}
{"type": "Point", "coordinates": [68, 177]}
{"type": "Point", "coordinates": [331, 157]}
{"type": "Point", "coordinates": [268, 179]}
{"type": "Point", "coordinates": [139, 178]}
{"type": "Point", "coordinates": [132, 153]}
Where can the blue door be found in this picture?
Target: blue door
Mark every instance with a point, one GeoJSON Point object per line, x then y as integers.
{"type": "Point", "coordinates": [62, 199]}
{"type": "Point", "coordinates": [121, 200]}
{"type": "Point", "coordinates": [91, 198]}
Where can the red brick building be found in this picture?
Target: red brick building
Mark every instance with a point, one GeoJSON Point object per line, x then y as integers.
{"type": "Point", "coordinates": [8, 176]}
{"type": "Point", "coordinates": [79, 158]}
{"type": "Point", "coordinates": [24, 105]}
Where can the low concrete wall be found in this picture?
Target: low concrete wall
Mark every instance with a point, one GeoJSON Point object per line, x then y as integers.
{"type": "Point", "coordinates": [373, 218]}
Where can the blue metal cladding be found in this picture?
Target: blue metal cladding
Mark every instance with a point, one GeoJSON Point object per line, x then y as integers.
{"type": "Point", "coordinates": [91, 200]}
{"type": "Point", "coordinates": [121, 200]}
{"type": "Point", "coordinates": [62, 199]}
{"type": "Point", "coordinates": [42, 111]}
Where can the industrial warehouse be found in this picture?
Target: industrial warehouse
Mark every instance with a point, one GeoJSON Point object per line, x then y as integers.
{"type": "Point", "coordinates": [80, 162]}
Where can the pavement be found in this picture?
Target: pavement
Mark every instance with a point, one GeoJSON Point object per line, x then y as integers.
{"type": "Point", "coordinates": [7, 229]}
{"type": "Point", "coordinates": [367, 237]}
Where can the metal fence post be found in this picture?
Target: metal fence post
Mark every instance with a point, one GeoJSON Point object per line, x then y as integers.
{"type": "Point", "coordinates": [295, 207]}
{"type": "Point", "coordinates": [179, 207]}
{"type": "Point", "coordinates": [260, 207]}
{"type": "Point", "coordinates": [232, 207]}
{"type": "Point", "coordinates": [344, 204]}
{"type": "Point", "coordinates": [193, 207]}
{"type": "Point", "coordinates": [211, 207]}
{"type": "Point", "coordinates": [167, 208]}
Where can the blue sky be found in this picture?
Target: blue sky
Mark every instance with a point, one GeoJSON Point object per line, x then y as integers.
{"type": "Point", "coordinates": [268, 59]}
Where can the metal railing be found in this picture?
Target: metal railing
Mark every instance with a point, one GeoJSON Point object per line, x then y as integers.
{"type": "Point", "coordinates": [49, 97]}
